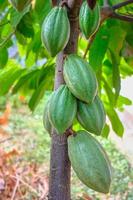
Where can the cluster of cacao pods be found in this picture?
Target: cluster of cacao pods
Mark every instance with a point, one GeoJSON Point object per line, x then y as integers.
{"type": "Point", "coordinates": [77, 98]}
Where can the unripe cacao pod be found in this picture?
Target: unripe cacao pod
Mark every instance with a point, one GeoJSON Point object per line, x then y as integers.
{"type": "Point", "coordinates": [46, 121]}
{"type": "Point", "coordinates": [20, 5]}
{"type": "Point", "coordinates": [80, 78]}
{"type": "Point", "coordinates": [90, 161]}
{"type": "Point", "coordinates": [62, 109]}
{"type": "Point", "coordinates": [55, 30]}
{"type": "Point", "coordinates": [89, 19]}
{"type": "Point", "coordinates": [92, 116]}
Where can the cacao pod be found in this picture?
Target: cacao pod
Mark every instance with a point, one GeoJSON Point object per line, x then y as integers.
{"type": "Point", "coordinates": [46, 121]}
{"type": "Point", "coordinates": [55, 30]}
{"type": "Point", "coordinates": [89, 19]}
{"type": "Point", "coordinates": [92, 116]}
{"type": "Point", "coordinates": [62, 109]}
{"type": "Point", "coordinates": [90, 161]}
{"type": "Point", "coordinates": [20, 5]}
{"type": "Point", "coordinates": [80, 78]}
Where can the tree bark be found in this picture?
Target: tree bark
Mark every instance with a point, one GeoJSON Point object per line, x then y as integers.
{"type": "Point", "coordinates": [60, 173]}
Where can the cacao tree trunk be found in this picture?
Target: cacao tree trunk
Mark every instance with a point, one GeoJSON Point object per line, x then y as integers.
{"type": "Point", "coordinates": [59, 185]}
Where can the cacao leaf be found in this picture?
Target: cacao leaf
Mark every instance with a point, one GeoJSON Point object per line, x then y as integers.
{"type": "Point", "coordinates": [23, 80]}
{"type": "Point", "coordinates": [116, 123]}
{"type": "Point", "coordinates": [46, 84]}
{"type": "Point", "coordinates": [105, 131]}
{"type": "Point", "coordinates": [116, 75]}
{"type": "Point", "coordinates": [3, 57]}
{"type": "Point", "coordinates": [96, 56]}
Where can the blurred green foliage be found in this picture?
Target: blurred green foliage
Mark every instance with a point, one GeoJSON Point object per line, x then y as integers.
{"type": "Point", "coordinates": [26, 67]}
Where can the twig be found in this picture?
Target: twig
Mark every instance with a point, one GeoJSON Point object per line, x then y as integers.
{"type": "Point", "coordinates": [90, 41]}
{"type": "Point", "coordinates": [4, 140]}
{"type": "Point", "coordinates": [119, 5]}
{"type": "Point", "coordinates": [15, 189]}
{"type": "Point", "coordinates": [26, 184]}
{"type": "Point", "coordinates": [122, 17]}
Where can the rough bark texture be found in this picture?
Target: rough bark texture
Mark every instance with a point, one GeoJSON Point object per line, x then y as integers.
{"type": "Point", "coordinates": [59, 186]}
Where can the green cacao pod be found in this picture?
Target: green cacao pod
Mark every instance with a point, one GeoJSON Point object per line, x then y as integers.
{"type": "Point", "coordinates": [62, 109]}
{"type": "Point", "coordinates": [20, 5]}
{"type": "Point", "coordinates": [55, 30]}
{"type": "Point", "coordinates": [90, 161]}
{"type": "Point", "coordinates": [92, 116]}
{"type": "Point", "coordinates": [80, 78]}
{"type": "Point", "coordinates": [89, 19]}
{"type": "Point", "coordinates": [46, 121]}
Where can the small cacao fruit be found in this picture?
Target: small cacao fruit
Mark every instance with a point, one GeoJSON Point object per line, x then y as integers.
{"type": "Point", "coordinates": [80, 78]}
{"type": "Point", "coordinates": [92, 116]}
{"type": "Point", "coordinates": [89, 19]}
{"type": "Point", "coordinates": [62, 109]}
{"type": "Point", "coordinates": [20, 5]}
{"type": "Point", "coordinates": [46, 121]}
{"type": "Point", "coordinates": [89, 161]}
{"type": "Point", "coordinates": [55, 30]}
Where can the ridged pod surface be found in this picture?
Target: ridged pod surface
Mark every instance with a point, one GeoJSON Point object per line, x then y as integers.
{"type": "Point", "coordinates": [19, 5]}
{"type": "Point", "coordinates": [90, 161]}
{"type": "Point", "coordinates": [89, 19]}
{"type": "Point", "coordinates": [92, 116]}
{"type": "Point", "coordinates": [46, 121]}
{"type": "Point", "coordinates": [80, 78]}
{"type": "Point", "coordinates": [55, 30]}
{"type": "Point", "coordinates": [62, 109]}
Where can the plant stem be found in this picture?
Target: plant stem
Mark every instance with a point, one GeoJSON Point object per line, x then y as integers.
{"type": "Point", "coordinates": [119, 5]}
{"type": "Point", "coordinates": [122, 17]}
{"type": "Point", "coordinates": [59, 186]}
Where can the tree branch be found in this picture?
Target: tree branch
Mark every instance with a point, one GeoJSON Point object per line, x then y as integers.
{"type": "Point", "coordinates": [119, 5]}
{"type": "Point", "coordinates": [109, 12]}
{"type": "Point", "coordinates": [122, 17]}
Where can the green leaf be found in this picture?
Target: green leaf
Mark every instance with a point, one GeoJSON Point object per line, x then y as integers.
{"type": "Point", "coordinates": [25, 26]}
{"type": "Point", "coordinates": [116, 75]}
{"type": "Point", "coordinates": [117, 36]}
{"type": "Point", "coordinates": [46, 84]}
{"type": "Point", "coordinates": [8, 77]}
{"type": "Point", "coordinates": [117, 125]}
{"type": "Point", "coordinates": [109, 92]}
{"type": "Point", "coordinates": [23, 80]}
{"type": "Point", "coordinates": [125, 69]}
{"type": "Point", "coordinates": [15, 16]}
{"type": "Point", "coordinates": [98, 48]}
{"type": "Point", "coordinates": [122, 101]}
{"type": "Point", "coordinates": [3, 57]}
{"type": "Point", "coordinates": [42, 8]}
{"type": "Point", "coordinates": [105, 131]}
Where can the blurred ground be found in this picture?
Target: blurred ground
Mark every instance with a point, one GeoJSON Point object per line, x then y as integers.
{"type": "Point", "coordinates": [24, 160]}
